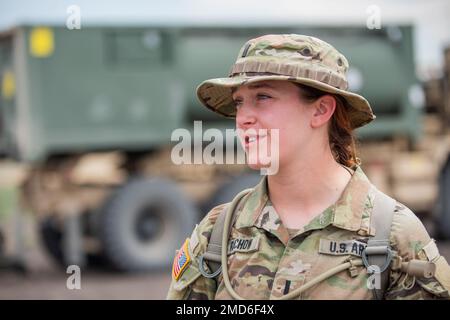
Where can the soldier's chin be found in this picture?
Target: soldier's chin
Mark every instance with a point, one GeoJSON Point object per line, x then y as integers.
{"type": "Point", "coordinates": [257, 165]}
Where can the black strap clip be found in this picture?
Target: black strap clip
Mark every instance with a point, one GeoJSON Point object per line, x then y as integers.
{"type": "Point", "coordinates": [203, 271]}
{"type": "Point", "coordinates": [376, 248]}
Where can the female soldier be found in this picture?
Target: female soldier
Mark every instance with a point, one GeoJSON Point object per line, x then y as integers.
{"type": "Point", "coordinates": [317, 228]}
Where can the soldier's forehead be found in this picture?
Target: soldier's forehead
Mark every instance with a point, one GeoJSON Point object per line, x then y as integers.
{"type": "Point", "coordinates": [271, 84]}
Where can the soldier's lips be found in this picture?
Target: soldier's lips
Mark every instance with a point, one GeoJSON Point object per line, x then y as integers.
{"type": "Point", "coordinates": [250, 140]}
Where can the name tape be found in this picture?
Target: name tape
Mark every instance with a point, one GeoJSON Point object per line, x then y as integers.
{"type": "Point", "coordinates": [345, 247]}
{"type": "Point", "coordinates": [243, 245]}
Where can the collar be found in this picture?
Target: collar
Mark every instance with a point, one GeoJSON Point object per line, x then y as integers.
{"type": "Point", "coordinates": [349, 212]}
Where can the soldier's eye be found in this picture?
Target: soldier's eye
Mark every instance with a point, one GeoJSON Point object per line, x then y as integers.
{"type": "Point", "coordinates": [263, 97]}
{"type": "Point", "coordinates": [237, 103]}
{"type": "Point", "coordinates": [305, 52]}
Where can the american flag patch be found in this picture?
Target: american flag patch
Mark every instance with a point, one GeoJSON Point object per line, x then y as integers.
{"type": "Point", "coordinates": [181, 261]}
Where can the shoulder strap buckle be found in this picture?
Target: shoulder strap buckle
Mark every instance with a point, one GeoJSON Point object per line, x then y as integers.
{"type": "Point", "coordinates": [377, 256]}
{"type": "Point", "coordinates": [377, 248]}
{"type": "Point", "coordinates": [202, 269]}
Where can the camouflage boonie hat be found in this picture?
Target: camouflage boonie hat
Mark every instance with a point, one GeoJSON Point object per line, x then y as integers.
{"type": "Point", "coordinates": [297, 58]}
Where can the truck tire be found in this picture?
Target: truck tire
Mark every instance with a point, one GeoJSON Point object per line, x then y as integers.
{"type": "Point", "coordinates": [443, 204]}
{"type": "Point", "coordinates": [229, 190]}
{"type": "Point", "coordinates": [51, 236]}
{"type": "Point", "coordinates": [143, 223]}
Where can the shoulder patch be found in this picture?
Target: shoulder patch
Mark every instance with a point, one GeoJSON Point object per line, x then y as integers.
{"type": "Point", "coordinates": [181, 261]}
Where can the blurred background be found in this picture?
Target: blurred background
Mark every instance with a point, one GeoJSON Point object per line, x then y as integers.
{"type": "Point", "coordinates": [91, 92]}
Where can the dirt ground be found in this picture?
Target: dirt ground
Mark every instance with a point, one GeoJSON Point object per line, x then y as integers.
{"type": "Point", "coordinates": [45, 280]}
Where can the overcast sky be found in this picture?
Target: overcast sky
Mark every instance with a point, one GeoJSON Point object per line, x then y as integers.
{"type": "Point", "coordinates": [430, 17]}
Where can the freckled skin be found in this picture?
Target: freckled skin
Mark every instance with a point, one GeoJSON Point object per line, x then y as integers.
{"type": "Point", "coordinates": [274, 105]}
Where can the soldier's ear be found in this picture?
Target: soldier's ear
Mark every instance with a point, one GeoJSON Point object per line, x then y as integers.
{"type": "Point", "coordinates": [323, 110]}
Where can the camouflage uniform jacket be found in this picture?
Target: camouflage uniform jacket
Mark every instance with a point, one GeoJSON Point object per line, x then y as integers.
{"type": "Point", "coordinates": [265, 262]}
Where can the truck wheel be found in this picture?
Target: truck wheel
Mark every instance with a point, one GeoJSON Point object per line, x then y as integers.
{"type": "Point", "coordinates": [443, 208]}
{"type": "Point", "coordinates": [51, 238]}
{"type": "Point", "coordinates": [229, 190]}
{"type": "Point", "coordinates": [143, 223]}
{"type": "Point", "coordinates": [51, 234]}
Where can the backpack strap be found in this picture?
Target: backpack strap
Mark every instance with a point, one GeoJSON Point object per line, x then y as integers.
{"type": "Point", "coordinates": [377, 256]}
{"type": "Point", "coordinates": [214, 249]}
{"type": "Point", "coordinates": [213, 252]}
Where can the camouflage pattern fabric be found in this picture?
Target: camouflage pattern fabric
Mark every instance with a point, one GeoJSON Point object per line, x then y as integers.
{"type": "Point", "coordinates": [266, 262]}
{"type": "Point", "coordinates": [297, 58]}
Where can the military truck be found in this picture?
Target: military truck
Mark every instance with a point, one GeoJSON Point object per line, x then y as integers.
{"type": "Point", "coordinates": [437, 94]}
{"type": "Point", "coordinates": [90, 112]}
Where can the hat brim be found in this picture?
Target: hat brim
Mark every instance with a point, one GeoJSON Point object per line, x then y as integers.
{"type": "Point", "coordinates": [216, 94]}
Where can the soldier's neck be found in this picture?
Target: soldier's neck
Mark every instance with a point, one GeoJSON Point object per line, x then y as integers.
{"type": "Point", "coordinates": [301, 192]}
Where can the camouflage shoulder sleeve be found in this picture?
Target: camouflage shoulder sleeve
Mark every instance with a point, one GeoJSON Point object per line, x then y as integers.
{"type": "Point", "coordinates": [411, 240]}
{"type": "Point", "coordinates": [190, 285]}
